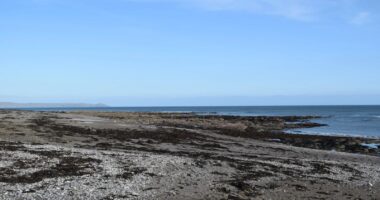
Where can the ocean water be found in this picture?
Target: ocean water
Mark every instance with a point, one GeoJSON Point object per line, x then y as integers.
{"type": "Point", "coordinates": [340, 120]}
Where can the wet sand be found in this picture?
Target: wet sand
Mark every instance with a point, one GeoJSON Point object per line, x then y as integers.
{"type": "Point", "coordinates": [109, 155]}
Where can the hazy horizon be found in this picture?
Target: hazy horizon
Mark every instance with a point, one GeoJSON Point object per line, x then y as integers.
{"type": "Point", "coordinates": [190, 53]}
{"type": "Point", "coordinates": [215, 101]}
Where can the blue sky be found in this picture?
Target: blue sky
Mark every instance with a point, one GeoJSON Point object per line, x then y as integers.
{"type": "Point", "coordinates": [190, 52]}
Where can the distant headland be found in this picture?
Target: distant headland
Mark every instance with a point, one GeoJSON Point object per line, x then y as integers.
{"type": "Point", "coordinates": [49, 105]}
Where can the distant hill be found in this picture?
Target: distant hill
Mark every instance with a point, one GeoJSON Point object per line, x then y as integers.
{"type": "Point", "coordinates": [49, 105]}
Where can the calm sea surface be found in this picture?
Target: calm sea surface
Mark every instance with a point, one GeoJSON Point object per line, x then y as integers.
{"type": "Point", "coordinates": [341, 120]}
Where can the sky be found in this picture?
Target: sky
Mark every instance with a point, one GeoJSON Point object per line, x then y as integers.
{"type": "Point", "coordinates": [190, 52]}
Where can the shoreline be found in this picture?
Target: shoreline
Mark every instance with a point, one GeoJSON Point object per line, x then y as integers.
{"type": "Point", "coordinates": [344, 143]}
{"type": "Point", "coordinates": [351, 143]}
{"type": "Point", "coordinates": [210, 113]}
{"type": "Point", "coordinates": [111, 155]}
{"type": "Point", "coordinates": [332, 134]}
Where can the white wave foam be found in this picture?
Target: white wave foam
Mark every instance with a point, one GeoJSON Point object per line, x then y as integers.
{"type": "Point", "coordinates": [371, 146]}
{"type": "Point", "coordinates": [330, 134]}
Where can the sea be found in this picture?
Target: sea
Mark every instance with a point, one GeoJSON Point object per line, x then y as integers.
{"type": "Point", "coordinates": [362, 121]}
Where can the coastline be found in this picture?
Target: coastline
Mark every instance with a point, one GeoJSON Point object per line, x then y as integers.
{"type": "Point", "coordinates": [278, 133]}
{"type": "Point", "coordinates": [113, 155]}
{"type": "Point", "coordinates": [351, 121]}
